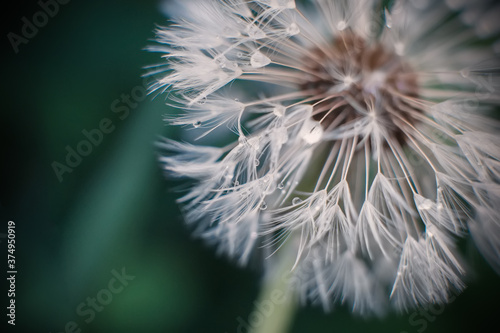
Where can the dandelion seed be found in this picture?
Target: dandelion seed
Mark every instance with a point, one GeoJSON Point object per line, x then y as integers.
{"type": "Point", "coordinates": [372, 122]}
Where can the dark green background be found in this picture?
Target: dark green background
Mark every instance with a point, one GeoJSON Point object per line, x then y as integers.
{"type": "Point", "coordinates": [116, 209]}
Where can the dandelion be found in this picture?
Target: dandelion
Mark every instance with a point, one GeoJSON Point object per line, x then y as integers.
{"type": "Point", "coordinates": [361, 139]}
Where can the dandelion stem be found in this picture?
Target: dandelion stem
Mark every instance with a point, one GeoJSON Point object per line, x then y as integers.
{"type": "Point", "coordinates": [277, 303]}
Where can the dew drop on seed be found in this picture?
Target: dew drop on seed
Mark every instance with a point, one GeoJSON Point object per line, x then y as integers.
{"type": "Point", "coordinates": [197, 124]}
{"type": "Point", "coordinates": [341, 25]}
{"type": "Point", "coordinates": [311, 132]}
{"type": "Point", "coordinates": [296, 201]}
{"type": "Point", "coordinates": [281, 186]}
{"type": "Point", "coordinates": [254, 32]}
{"type": "Point", "coordinates": [293, 29]}
{"type": "Point", "coordinates": [388, 19]}
{"type": "Point", "coordinates": [263, 206]}
{"type": "Point", "coordinates": [425, 205]}
{"type": "Point", "coordinates": [280, 4]}
{"type": "Point", "coordinates": [281, 136]}
{"type": "Point", "coordinates": [279, 110]}
{"type": "Point", "coordinates": [259, 60]}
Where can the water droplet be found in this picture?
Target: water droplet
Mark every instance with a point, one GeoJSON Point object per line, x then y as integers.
{"type": "Point", "coordinates": [257, 162]}
{"type": "Point", "coordinates": [202, 101]}
{"type": "Point", "coordinates": [311, 132]}
{"type": "Point", "coordinates": [425, 205]}
{"type": "Point", "coordinates": [279, 110]}
{"type": "Point", "coordinates": [388, 19]}
{"type": "Point", "coordinates": [240, 55]}
{"type": "Point", "coordinates": [341, 25]}
{"type": "Point", "coordinates": [280, 4]}
{"type": "Point", "coordinates": [281, 135]}
{"type": "Point", "coordinates": [236, 183]}
{"type": "Point", "coordinates": [281, 186]}
{"type": "Point", "coordinates": [254, 32]}
{"type": "Point", "coordinates": [296, 201]}
{"type": "Point", "coordinates": [259, 60]}
{"type": "Point", "coordinates": [263, 206]}
{"type": "Point", "coordinates": [293, 29]}
{"type": "Point", "coordinates": [197, 124]}
{"type": "Point", "coordinates": [290, 4]}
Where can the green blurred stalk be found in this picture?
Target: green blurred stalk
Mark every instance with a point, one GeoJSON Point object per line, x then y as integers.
{"type": "Point", "coordinates": [277, 303]}
{"type": "Point", "coordinates": [282, 315]}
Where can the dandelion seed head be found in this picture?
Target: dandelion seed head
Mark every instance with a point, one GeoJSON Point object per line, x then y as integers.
{"type": "Point", "coordinates": [364, 140]}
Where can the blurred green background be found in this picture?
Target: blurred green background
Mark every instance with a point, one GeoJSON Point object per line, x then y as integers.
{"type": "Point", "coordinates": [115, 210]}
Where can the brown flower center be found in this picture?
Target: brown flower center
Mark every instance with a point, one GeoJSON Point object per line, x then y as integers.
{"type": "Point", "coordinates": [350, 77]}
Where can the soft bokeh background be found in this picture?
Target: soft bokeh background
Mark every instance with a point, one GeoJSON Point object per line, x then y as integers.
{"type": "Point", "coordinates": [115, 210]}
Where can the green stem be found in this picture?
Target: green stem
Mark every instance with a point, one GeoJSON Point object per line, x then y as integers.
{"type": "Point", "coordinates": [277, 303]}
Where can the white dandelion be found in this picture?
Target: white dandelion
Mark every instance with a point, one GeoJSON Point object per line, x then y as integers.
{"type": "Point", "coordinates": [362, 138]}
